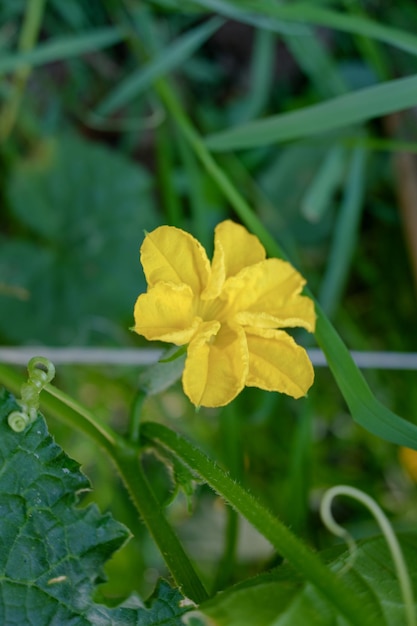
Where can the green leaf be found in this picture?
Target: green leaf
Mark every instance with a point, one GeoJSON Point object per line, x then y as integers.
{"type": "Point", "coordinates": [63, 48]}
{"type": "Point", "coordinates": [164, 608]}
{"type": "Point", "coordinates": [355, 107]}
{"type": "Point", "coordinates": [166, 372]}
{"type": "Point", "coordinates": [52, 551]}
{"type": "Point", "coordinates": [279, 598]}
{"type": "Point", "coordinates": [83, 209]}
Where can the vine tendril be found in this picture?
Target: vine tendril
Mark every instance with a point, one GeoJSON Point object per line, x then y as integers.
{"type": "Point", "coordinates": [389, 535]}
{"type": "Point", "coordinates": [41, 371]}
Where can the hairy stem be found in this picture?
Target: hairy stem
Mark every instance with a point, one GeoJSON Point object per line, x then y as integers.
{"type": "Point", "coordinates": [287, 544]}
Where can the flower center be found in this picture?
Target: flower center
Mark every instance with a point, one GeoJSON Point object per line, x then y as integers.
{"type": "Point", "coordinates": [210, 310]}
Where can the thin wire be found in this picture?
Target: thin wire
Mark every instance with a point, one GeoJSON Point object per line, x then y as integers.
{"type": "Point", "coordinates": [147, 356]}
{"type": "Point", "coordinates": [86, 356]}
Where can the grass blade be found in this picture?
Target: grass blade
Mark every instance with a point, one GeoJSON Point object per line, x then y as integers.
{"type": "Point", "coordinates": [63, 48]}
{"type": "Point", "coordinates": [260, 12]}
{"type": "Point", "coordinates": [317, 199]}
{"type": "Point", "coordinates": [261, 77]}
{"type": "Point", "coordinates": [352, 108]}
{"type": "Point", "coordinates": [166, 61]}
{"type": "Point", "coordinates": [316, 62]}
{"type": "Point", "coordinates": [365, 409]}
{"type": "Point", "coordinates": [345, 235]}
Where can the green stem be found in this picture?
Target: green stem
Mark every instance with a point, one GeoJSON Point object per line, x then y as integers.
{"type": "Point", "coordinates": [136, 416]}
{"type": "Point", "coordinates": [226, 565]}
{"type": "Point", "coordinates": [63, 408]}
{"type": "Point", "coordinates": [239, 204]}
{"type": "Point", "coordinates": [126, 458]}
{"type": "Point", "coordinates": [177, 561]}
{"type": "Point", "coordinates": [165, 166]}
{"type": "Point", "coordinates": [58, 402]}
{"type": "Point", "coordinates": [287, 544]}
{"type": "Point", "coordinates": [196, 195]}
{"type": "Point", "coordinates": [298, 483]}
{"type": "Point", "coordinates": [231, 442]}
{"type": "Point", "coordinates": [28, 36]}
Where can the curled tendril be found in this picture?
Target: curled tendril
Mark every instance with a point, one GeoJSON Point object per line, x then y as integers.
{"type": "Point", "coordinates": [389, 535]}
{"type": "Point", "coordinates": [41, 371]}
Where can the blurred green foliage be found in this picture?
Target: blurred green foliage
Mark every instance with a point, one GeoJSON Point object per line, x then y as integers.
{"type": "Point", "coordinates": [81, 181]}
{"type": "Point", "coordinates": [79, 210]}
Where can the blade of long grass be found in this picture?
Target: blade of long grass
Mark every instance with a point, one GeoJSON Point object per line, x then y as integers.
{"type": "Point", "coordinates": [316, 62]}
{"type": "Point", "coordinates": [165, 168]}
{"type": "Point", "coordinates": [232, 452]}
{"type": "Point", "coordinates": [355, 107]}
{"type": "Point", "coordinates": [316, 200]}
{"type": "Point", "coordinates": [345, 236]}
{"type": "Point", "coordinates": [195, 191]}
{"type": "Point", "coordinates": [167, 60]}
{"type": "Point", "coordinates": [63, 48]}
{"type": "Point", "coordinates": [260, 12]}
{"type": "Point", "coordinates": [29, 33]}
{"type": "Point", "coordinates": [254, 18]}
{"type": "Point", "coordinates": [381, 145]}
{"type": "Point", "coordinates": [372, 53]}
{"type": "Point", "coordinates": [261, 77]}
{"type": "Point", "coordinates": [365, 409]}
{"type": "Point", "coordinates": [298, 481]}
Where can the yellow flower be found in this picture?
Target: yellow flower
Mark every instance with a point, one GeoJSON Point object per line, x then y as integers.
{"type": "Point", "coordinates": [408, 459]}
{"type": "Point", "coordinates": [229, 313]}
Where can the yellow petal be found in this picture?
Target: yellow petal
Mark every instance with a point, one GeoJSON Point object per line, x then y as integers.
{"type": "Point", "coordinates": [216, 366]}
{"type": "Point", "coordinates": [234, 249]}
{"type": "Point", "coordinates": [166, 313]}
{"type": "Point", "coordinates": [297, 311]}
{"type": "Point", "coordinates": [170, 254]}
{"type": "Point", "coordinates": [263, 288]}
{"type": "Point", "coordinates": [277, 363]}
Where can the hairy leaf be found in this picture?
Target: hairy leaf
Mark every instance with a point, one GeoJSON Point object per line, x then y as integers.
{"type": "Point", "coordinates": [52, 552]}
